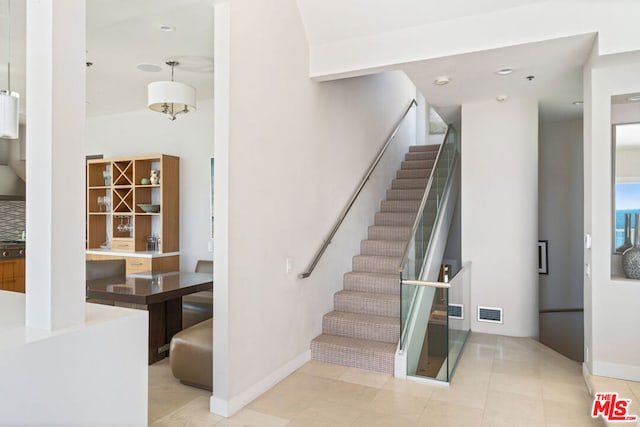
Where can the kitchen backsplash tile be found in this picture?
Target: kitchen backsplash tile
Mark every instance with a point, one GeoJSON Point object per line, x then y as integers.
{"type": "Point", "coordinates": [12, 219]}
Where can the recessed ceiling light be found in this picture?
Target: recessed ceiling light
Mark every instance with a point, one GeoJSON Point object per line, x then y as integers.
{"type": "Point", "coordinates": [148, 68]}
{"type": "Point", "coordinates": [504, 71]}
{"type": "Point", "coordinates": [634, 98]}
{"type": "Point", "coordinates": [502, 98]}
{"type": "Point", "coordinates": [577, 103]}
{"type": "Point", "coordinates": [167, 28]}
{"type": "Point", "coordinates": [442, 80]}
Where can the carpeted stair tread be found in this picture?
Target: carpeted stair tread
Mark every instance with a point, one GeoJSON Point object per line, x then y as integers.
{"type": "Point", "coordinates": [404, 219]}
{"type": "Point", "coordinates": [421, 155]}
{"type": "Point", "coordinates": [400, 206]}
{"type": "Point", "coordinates": [376, 264]}
{"type": "Point", "coordinates": [383, 247]}
{"type": "Point", "coordinates": [362, 326]}
{"type": "Point", "coordinates": [413, 173]}
{"type": "Point", "coordinates": [407, 183]}
{"type": "Point", "coordinates": [376, 304]}
{"type": "Point", "coordinates": [372, 282]}
{"type": "Point", "coordinates": [387, 232]}
{"type": "Point", "coordinates": [417, 164]}
{"type": "Point", "coordinates": [405, 194]}
{"type": "Point", "coordinates": [422, 148]}
{"type": "Point", "coordinates": [356, 353]}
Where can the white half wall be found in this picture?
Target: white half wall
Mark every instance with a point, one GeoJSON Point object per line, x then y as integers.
{"type": "Point", "coordinates": [500, 211]}
{"type": "Point", "coordinates": [189, 137]}
{"type": "Point", "coordinates": [611, 303]}
{"type": "Point", "coordinates": [294, 151]}
{"type": "Point", "coordinates": [91, 374]}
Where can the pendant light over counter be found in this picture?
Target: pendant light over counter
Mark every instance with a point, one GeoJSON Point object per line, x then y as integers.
{"type": "Point", "coordinates": [171, 97]}
{"type": "Point", "coordinates": [9, 100]}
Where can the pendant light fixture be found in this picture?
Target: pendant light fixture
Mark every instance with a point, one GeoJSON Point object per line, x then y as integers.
{"type": "Point", "coordinates": [171, 98]}
{"type": "Point", "coordinates": [9, 100]}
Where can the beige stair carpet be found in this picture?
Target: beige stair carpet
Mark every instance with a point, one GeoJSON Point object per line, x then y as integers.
{"type": "Point", "coordinates": [364, 328]}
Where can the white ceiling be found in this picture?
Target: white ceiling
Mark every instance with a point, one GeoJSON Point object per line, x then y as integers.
{"type": "Point", "coordinates": [120, 35]}
{"type": "Point", "coordinates": [555, 64]}
{"type": "Point", "coordinates": [124, 33]}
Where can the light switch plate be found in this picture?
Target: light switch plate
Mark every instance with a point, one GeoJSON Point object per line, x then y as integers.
{"type": "Point", "coordinates": [587, 241]}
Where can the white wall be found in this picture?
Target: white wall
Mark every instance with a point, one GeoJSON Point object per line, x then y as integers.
{"type": "Point", "coordinates": [189, 137]}
{"type": "Point", "coordinates": [500, 211]}
{"type": "Point", "coordinates": [611, 302]}
{"type": "Point", "coordinates": [293, 151]}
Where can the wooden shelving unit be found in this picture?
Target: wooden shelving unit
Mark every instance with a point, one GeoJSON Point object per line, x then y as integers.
{"type": "Point", "coordinates": [119, 180]}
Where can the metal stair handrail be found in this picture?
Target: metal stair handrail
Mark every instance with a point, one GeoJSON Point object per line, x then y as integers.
{"type": "Point", "coordinates": [355, 195]}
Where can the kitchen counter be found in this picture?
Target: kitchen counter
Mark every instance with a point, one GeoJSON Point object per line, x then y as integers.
{"type": "Point", "coordinates": [142, 254]}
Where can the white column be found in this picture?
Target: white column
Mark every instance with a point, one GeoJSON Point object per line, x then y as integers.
{"type": "Point", "coordinates": [222, 59]}
{"type": "Point", "coordinates": [55, 220]}
{"type": "Point", "coordinates": [500, 211]}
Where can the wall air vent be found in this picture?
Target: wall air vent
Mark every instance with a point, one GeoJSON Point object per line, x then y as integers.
{"type": "Point", "coordinates": [489, 314]}
{"type": "Point", "coordinates": [456, 311]}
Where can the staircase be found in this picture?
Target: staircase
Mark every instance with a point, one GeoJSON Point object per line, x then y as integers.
{"type": "Point", "coordinates": [364, 329]}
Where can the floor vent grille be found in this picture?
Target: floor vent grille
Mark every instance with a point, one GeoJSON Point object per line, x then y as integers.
{"type": "Point", "coordinates": [456, 311]}
{"type": "Point", "coordinates": [489, 314]}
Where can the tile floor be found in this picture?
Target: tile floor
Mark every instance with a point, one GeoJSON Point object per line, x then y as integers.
{"type": "Point", "coordinates": [500, 381]}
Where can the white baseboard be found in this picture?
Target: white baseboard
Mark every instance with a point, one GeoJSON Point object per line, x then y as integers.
{"type": "Point", "coordinates": [616, 370]}
{"type": "Point", "coordinates": [585, 375]}
{"type": "Point", "coordinates": [227, 408]}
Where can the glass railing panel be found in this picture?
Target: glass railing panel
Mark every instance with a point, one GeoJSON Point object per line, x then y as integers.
{"type": "Point", "coordinates": [459, 323]}
{"type": "Point", "coordinates": [418, 245]}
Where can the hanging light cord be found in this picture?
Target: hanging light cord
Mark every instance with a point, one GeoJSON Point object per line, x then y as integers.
{"type": "Point", "coordinates": [9, 50]}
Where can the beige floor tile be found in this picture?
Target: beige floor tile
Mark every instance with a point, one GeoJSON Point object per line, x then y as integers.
{"type": "Point", "coordinates": [442, 414]}
{"type": "Point", "coordinates": [389, 403]}
{"type": "Point", "coordinates": [322, 369]}
{"type": "Point", "coordinates": [380, 420]}
{"type": "Point", "coordinates": [511, 420]}
{"type": "Point", "coordinates": [513, 367]}
{"type": "Point", "coordinates": [474, 397]}
{"type": "Point", "coordinates": [323, 413]}
{"type": "Point", "coordinates": [363, 377]}
{"type": "Point", "coordinates": [166, 393]}
{"type": "Point", "coordinates": [250, 418]}
{"type": "Point", "coordinates": [635, 389]}
{"type": "Point", "coordinates": [194, 414]}
{"type": "Point", "coordinates": [583, 421]}
{"type": "Point", "coordinates": [283, 404]}
{"type": "Point", "coordinates": [357, 396]}
{"type": "Point", "coordinates": [412, 388]}
{"type": "Point", "coordinates": [525, 385]}
{"type": "Point", "coordinates": [512, 406]}
{"type": "Point", "coordinates": [566, 410]}
{"type": "Point", "coordinates": [565, 391]}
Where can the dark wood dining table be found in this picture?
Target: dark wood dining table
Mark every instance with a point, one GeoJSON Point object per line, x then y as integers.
{"type": "Point", "coordinates": [161, 293]}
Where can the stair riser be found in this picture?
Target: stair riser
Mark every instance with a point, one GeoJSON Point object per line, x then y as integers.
{"type": "Point", "coordinates": [395, 219]}
{"type": "Point", "coordinates": [389, 233]}
{"type": "Point", "coordinates": [380, 362]}
{"type": "Point", "coordinates": [382, 285]}
{"type": "Point", "coordinates": [351, 304]}
{"type": "Point", "coordinates": [417, 164]}
{"type": "Point", "coordinates": [405, 194]}
{"type": "Point", "coordinates": [382, 247]}
{"type": "Point", "coordinates": [401, 184]}
{"type": "Point", "coordinates": [370, 264]}
{"type": "Point", "coordinates": [400, 206]}
{"type": "Point", "coordinates": [423, 148]}
{"type": "Point", "coordinates": [425, 155]}
{"type": "Point", "coordinates": [413, 174]}
{"type": "Point", "coordinates": [361, 330]}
